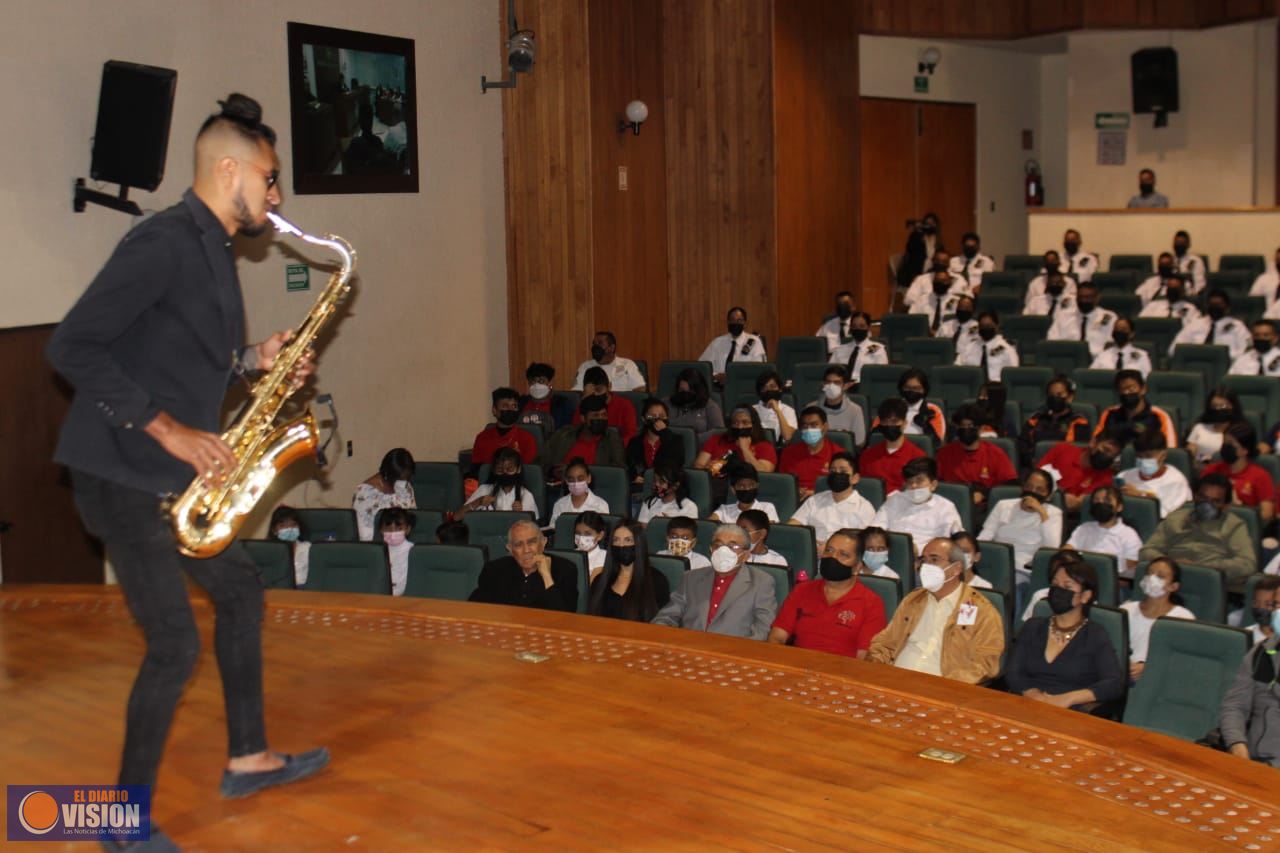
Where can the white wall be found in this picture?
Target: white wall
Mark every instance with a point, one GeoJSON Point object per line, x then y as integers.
{"type": "Point", "coordinates": [1136, 232]}
{"type": "Point", "coordinates": [1213, 150]}
{"type": "Point", "coordinates": [1052, 128]}
{"type": "Point", "coordinates": [426, 337]}
{"type": "Point", "coordinates": [1004, 85]}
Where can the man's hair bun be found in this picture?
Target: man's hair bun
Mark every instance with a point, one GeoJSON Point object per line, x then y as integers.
{"type": "Point", "coordinates": [242, 108]}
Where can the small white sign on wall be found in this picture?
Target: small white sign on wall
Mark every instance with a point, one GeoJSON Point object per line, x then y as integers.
{"type": "Point", "coordinates": [1111, 147]}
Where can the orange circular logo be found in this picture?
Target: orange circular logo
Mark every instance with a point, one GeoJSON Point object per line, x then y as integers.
{"type": "Point", "coordinates": [38, 812]}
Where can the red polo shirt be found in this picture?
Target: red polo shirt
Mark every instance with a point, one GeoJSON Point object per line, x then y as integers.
{"type": "Point", "coordinates": [844, 627]}
{"type": "Point", "coordinates": [586, 447]}
{"type": "Point", "coordinates": [877, 461]}
{"type": "Point", "coordinates": [621, 415]}
{"type": "Point", "coordinates": [1252, 486]}
{"type": "Point", "coordinates": [490, 441]}
{"type": "Point", "coordinates": [807, 467]}
{"type": "Point", "coordinates": [718, 589]}
{"type": "Point", "coordinates": [986, 467]}
{"type": "Point", "coordinates": [720, 444]}
{"type": "Point", "coordinates": [1072, 463]}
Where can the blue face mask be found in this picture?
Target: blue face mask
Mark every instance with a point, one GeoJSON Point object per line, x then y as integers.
{"type": "Point", "coordinates": [811, 436]}
{"type": "Point", "coordinates": [1148, 467]}
{"type": "Point", "coordinates": [875, 559]}
{"type": "Point", "coordinates": [288, 534]}
{"type": "Point", "coordinates": [1275, 621]}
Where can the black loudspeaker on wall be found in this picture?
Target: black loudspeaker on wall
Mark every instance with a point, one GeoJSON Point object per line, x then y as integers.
{"type": "Point", "coordinates": [1155, 82]}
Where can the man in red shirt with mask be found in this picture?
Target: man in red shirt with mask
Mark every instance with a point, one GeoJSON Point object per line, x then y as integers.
{"type": "Point", "coordinates": [1080, 470]}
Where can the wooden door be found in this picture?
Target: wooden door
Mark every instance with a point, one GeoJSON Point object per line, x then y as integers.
{"type": "Point", "coordinates": [917, 157]}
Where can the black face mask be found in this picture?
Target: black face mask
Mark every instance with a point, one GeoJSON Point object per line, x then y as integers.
{"type": "Point", "coordinates": [843, 311]}
{"type": "Point", "coordinates": [891, 433]}
{"type": "Point", "coordinates": [736, 329]}
{"type": "Point", "coordinates": [1121, 338]}
{"type": "Point", "coordinates": [963, 316]}
{"type": "Point", "coordinates": [1217, 312]}
{"type": "Point", "coordinates": [929, 228]}
{"type": "Point", "coordinates": [1086, 307]}
{"type": "Point", "coordinates": [1146, 188]}
{"type": "Point", "coordinates": [1230, 453]}
{"type": "Point", "coordinates": [912, 396]}
{"type": "Point", "coordinates": [838, 481]}
{"type": "Point", "coordinates": [987, 333]}
{"type": "Point", "coordinates": [624, 555]}
{"type": "Point", "coordinates": [1173, 295]}
{"type": "Point", "coordinates": [940, 287]}
{"type": "Point", "coordinates": [1055, 288]}
{"type": "Point", "coordinates": [1217, 416]}
{"type": "Point", "coordinates": [1071, 247]}
{"type": "Point", "coordinates": [740, 432]}
{"type": "Point", "coordinates": [597, 352]}
{"type": "Point", "coordinates": [769, 396]}
{"type": "Point", "coordinates": [682, 398]}
{"type": "Point", "coordinates": [746, 496]}
{"type": "Point", "coordinates": [1179, 249]}
{"type": "Point", "coordinates": [859, 335]}
{"type": "Point", "coordinates": [507, 418]}
{"type": "Point", "coordinates": [1060, 600]}
{"type": "Point", "coordinates": [599, 426]}
{"type": "Point", "coordinates": [1056, 404]}
{"type": "Point", "coordinates": [967, 435]}
{"type": "Point", "coordinates": [652, 425]}
{"type": "Point", "coordinates": [1260, 346]}
{"type": "Point", "coordinates": [1038, 498]}
{"type": "Point", "coordinates": [971, 252]}
{"type": "Point", "coordinates": [835, 571]}
{"type": "Point", "coordinates": [1102, 513]}
{"type": "Point", "coordinates": [1100, 461]}
{"type": "Point", "coordinates": [1130, 401]}
{"type": "Point", "coordinates": [1261, 615]}
{"type": "Point", "coordinates": [506, 481]}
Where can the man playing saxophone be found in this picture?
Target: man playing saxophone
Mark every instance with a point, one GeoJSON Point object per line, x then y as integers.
{"type": "Point", "coordinates": [151, 347]}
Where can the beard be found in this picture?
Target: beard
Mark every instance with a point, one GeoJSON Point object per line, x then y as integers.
{"type": "Point", "coordinates": [244, 220]}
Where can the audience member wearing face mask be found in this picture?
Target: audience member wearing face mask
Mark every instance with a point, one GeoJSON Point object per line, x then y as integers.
{"type": "Point", "coordinates": [1105, 532]}
{"type": "Point", "coordinates": [394, 526]}
{"type": "Point", "coordinates": [592, 441]}
{"type": "Point", "coordinates": [385, 489]}
{"type": "Point", "coordinates": [1133, 414]}
{"type": "Point", "coordinates": [1206, 534]}
{"type": "Point", "coordinates": [691, 406]}
{"type": "Point", "coordinates": [1120, 353]}
{"type": "Point", "coordinates": [842, 413]}
{"type": "Point", "coordinates": [578, 496]}
{"type": "Point", "coordinates": [682, 539]}
{"type": "Point", "coordinates": [1153, 477]}
{"type": "Point", "coordinates": [839, 506]}
{"type": "Point", "coordinates": [886, 458]}
{"type": "Point", "coordinates": [737, 345]}
{"type": "Point", "coordinates": [1028, 523]}
{"type": "Point", "coordinates": [286, 526]}
{"type": "Point", "coordinates": [1250, 483]}
{"type": "Point", "coordinates": [1262, 358]}
{"type": "Point", "coordinates": [730, 597]}
{"type": "Point", "coordinates": [505, 491]}
{"type": "Point", "coordinates": [917, 510]}
{"type": "Point", "coordinates": [589, 532]}
{"type": "Point", "coordinates": [627, 587]}
{"type": "Point", "coordinates": [1160, 597]}
{"type": "Point", "coordinates": [1221, 410]}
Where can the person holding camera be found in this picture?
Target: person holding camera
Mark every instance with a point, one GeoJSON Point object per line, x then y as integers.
{"type": "Point", "coordinates": [923, 240]}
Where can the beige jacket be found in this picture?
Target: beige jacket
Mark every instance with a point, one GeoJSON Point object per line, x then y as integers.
{"type": "Point", "coordinates": [970, 653]}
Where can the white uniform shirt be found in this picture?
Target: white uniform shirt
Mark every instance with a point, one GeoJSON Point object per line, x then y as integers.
{"type": "Point", "coordinates": [869, 352]}
{"type": "Point", "coordinates": [1083, 264]}
{"type": "Point", "coordinates": [1129, 357]}
{"type": "Point", "coordinates": [1000, 354]}
{"type": "Point", "coordinates": [826, 515]}
{"type": "Point", "coordinates": [1272, 313]}
{"type": "Point", "coordinates": [301, 553]}
{"type": "Point", "coordinates": [658, 508]}
{"type": "Point", "coordinates": [1037, 287]}
{"type": "Point", "coordinates": [595, 561]}
{"type": "Point", "coordinates": [1192, 266]}
{"type": "Point", "coordinates": [1171, 487]}
{"type": "Point", "coordinates": [399, 556]}
{"type": "Point", "coordinates": [622, 372]}
{"type": "Point", "coordinates": [593, 502]}
{"type": "Point", "coordinates": [1227, 332]}
{"type": "Point", "coordinates": [836, 332]}
{"type": "Point", "coordinates": [928, 305]}
{"type": "Point", "coordinates": [1184, 310]}
{"type": "Point", "coordinates": [770, 557]}
{"type": "Point", "coordinates": [1097, 332]}
{"type": "Point", "coordinates": [728, 513]}
{"type": "Point", "coordinates": [968, 342]}
{"type": "Point", "coordinates": [1038, 306]}
{"type": "Point", "coordinates": [696, 560]}
{"type": "Point", "coordinates": [1149, 289]}
{"type": "Point", "coordinates": [922, 652]}
{"type": "Point", "coordinates": [504, 500]}
{"type": "Point", "coordinates": [1208, 442]}
{"type": "Point", "coordinates": [979, 266]}
{"type": "Point", "coordinates": [847, 416]}
{"type": "Point", "coordinates": [1008, 522]}
{"type": "Point", "coordinates": [1247, 363]}
{"type": "Point", "coordinates": [1140, 628]}
{"type": "Point", "coordinates": [1265, 285]}
{"type": "Point", "coordinates": [769, 420]}
{"type": "Point", "coordinates": [935, 518]}
{"type": "Point", "coordinates": [749, 349]}
{"type": "Point", "coordinates": [1120, 541]}
{"type": "Point", "coordinates": [921, 288]}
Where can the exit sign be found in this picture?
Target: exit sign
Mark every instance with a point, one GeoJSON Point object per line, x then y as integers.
{"type": "Point", "coordinates": [297, 277]}
{"type": "Point", "coordinates": [922, 83]}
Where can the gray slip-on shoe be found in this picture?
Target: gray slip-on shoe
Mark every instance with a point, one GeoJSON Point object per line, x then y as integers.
{"type": "Point", "coordinates": [295, 767]}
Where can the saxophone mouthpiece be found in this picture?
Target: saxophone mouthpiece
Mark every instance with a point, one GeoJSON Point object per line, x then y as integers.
{"type": "Point", "coordinates": [283, 225]}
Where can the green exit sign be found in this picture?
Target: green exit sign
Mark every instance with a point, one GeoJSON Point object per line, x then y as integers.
{"type": "Point", "coordinates": [297, 277]}
{"type": "Point", "coordinates": [922, 83]}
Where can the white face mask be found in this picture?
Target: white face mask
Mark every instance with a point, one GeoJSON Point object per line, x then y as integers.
{"type": "Point", "coordinates": [539, 390]}
{"type": "Point", "coordinates": [833, 391]}
{"type": "Point", "coordinates": [919, 496]}
{"type": "Point", "coordinates": [724, 560]}
{"type": "Point", "coordinates": [932, 577]}
{"type": "Point", "coordinates": [1153, 586]}
{"type": "Point", "coordinates": [584, 542]}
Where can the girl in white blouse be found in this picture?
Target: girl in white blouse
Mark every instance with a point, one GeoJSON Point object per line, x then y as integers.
{"type": "Point", "coordinates": [589, 530]}
{"type": "Point", "coordinates": [577, 480]}
{"type": "Point", "coordinates": [670, 496]}
{"type": "Point", "coordinates": [1106, 532]}
{"type": "Point", "coordinates": [1160, 587]}
{"type": "Point", "coordinates": [505, 491]}
{"type": "Point", "coordinates": [1205, 439]}
{"type": "Point", "coordinates": [385, 489]}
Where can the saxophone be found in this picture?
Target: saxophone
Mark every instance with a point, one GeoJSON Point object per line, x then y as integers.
{"type": "Point", "coordinates": [207, 516]}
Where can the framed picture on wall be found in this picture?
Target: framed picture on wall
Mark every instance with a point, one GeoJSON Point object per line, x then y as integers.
{"type": "Point", "coordinates": [353, 110]}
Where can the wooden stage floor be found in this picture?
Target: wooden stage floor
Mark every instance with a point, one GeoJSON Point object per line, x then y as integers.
{"type": "Point", "coordinates": [629, 737]}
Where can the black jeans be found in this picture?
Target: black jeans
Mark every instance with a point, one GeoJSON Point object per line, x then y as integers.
{"type": "Point", "coordinates": [143, 551]}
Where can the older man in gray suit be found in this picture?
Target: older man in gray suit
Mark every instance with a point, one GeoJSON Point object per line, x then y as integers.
{"type": "Point", "coordinates": [728, 598]}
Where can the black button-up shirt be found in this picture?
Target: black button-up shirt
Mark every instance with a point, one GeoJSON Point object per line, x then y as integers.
{"type": "Point", "coordinates": [502, 581]}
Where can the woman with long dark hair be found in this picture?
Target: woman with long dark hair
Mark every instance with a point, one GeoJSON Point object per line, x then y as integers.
{"type": "Point", "coordinates": [628, 587]}
{"type": "Point", "coordinates": [691, 404]}
{"type": "Point", "coordinates": [385, 489]}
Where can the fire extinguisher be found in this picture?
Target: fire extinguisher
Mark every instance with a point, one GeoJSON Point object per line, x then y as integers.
{"type": "Point", "coordinates": [1035, 185]}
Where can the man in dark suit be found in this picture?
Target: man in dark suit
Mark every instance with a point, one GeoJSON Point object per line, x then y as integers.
{"type": "Point", "coordinates": [150, 348]}
{"type": "Point", "coordinates": [527, 577]}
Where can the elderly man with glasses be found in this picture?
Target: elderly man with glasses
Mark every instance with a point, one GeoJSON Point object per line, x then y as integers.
{"type": "Point", "coordinates": [730, 597]}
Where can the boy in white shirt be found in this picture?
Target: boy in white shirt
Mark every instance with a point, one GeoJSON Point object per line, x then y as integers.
{"type": "Point", "coordinates": [1106, 532]}
{"type": "Point", "coordinates": [1152, 478]}
{"type": "Point", "coordinates": [917, 509]}
{"type": "Point", "coordinates": [682, 537]}
{"type": "Point", "coordinates": [746, 485]}
{"type": "Point", "coordinates": [840, 506]}
{"type": "Point", "coordinates": [756, 523]}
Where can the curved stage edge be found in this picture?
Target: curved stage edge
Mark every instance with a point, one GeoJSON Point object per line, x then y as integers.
{"type": "Point", "coordinates": [627, 736]}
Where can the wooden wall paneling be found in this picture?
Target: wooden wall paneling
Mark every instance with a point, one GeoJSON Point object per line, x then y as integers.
{"type": "Point", "coordinates": [1051, 17]}
{"type": "Point", "coordinates": [46, 543]}
{"type": "Point", "coordinates": [546, 149]}
{"type": "Point", "coordinates": [629, 228]}
{"type": "Point", "coordinates": [947, 163]}
{"type": "Point", "coordinates": [942, 18]}
{"type": "Point", "coordinates": [815, 96]}
{"type": "Point", "coordinates": [717, 91]}
{"type": "Point", "coordinates": [887, 133]}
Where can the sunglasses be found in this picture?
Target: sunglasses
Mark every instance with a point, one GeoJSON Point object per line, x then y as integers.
{"type": "Point", "coordinates": [272, 176]}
